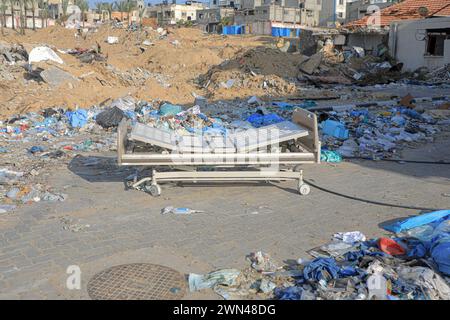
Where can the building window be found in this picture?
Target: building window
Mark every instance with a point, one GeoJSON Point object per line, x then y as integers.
{"type": "Point", "coordinates": [341, 2]}
{"type": "Point", "coordinates": [340, 15]}
{"type": "Point", "coordinates": [436, 40]}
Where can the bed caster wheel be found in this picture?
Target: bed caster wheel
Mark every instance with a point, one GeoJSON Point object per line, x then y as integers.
{"type": "Point", "coordinates": [304, 189]}
{"type": "Point", "coordinates": [154, 190]}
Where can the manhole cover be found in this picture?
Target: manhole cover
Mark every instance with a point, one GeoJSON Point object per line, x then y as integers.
{"type": "Point", "coordinates": [137, 281]}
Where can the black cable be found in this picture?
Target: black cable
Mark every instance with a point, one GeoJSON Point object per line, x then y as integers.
{"type": "Point", "coordinates": [369, 201]}
{"type": "Point", "coordinates": [399, 160]}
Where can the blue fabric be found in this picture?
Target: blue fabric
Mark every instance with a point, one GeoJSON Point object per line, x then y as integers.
{"type": "Point", "coordinates": [321, 268]}
{"type": "Point", "coordinates": [78, 118]}
{"type": "Point", "coordinates": [287, 106]}
{"type": "Point", "coordinates": [330, 156]}
{"type": "Point", "coordinates": [356, 255]}
{"type": "Point", "coordinates": [348, 272]}
{"type": "Point", "coordinates": [417, 221]}
{"type": "Point", "coordinates": [440, 253]}
{"type": "Point", "coordinates": [258, 120]}
{"type": "Point", "coordinates": [417, 250]}
{"type": "Point", "coordinates": [168, 109]}
{"type": "Point", "coordinates": [289, 293]}
{"type": "Point", "coordinates": [335, 129]}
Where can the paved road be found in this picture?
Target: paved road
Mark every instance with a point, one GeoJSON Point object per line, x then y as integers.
{"type": "Point", "coordinates": [126, 226]}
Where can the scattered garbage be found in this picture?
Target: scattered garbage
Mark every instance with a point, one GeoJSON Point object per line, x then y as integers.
{"type": "Point", "coordinates": [78, 118]}
{"type": "Point", "coordinates": [374, 269]}
{"type": "Point", "coordinates": [110, 118]}
{"type": "Point", "coordinates": [174, 210]}
{"type": "Point", "coordinates": [39, 54]}
{"type": "Point", "coordinates": [211, 280]}
{"type": "Point", "coordinates": [112, 40]}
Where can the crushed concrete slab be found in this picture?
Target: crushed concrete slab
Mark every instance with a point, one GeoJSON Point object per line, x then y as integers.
{"type": "Point", "coordinates": [312, 63]}
{"type": "Point", "coordinates": [55, 76]}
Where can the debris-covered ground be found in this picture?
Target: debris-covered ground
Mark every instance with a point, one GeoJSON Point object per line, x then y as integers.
{"type": "Point", "coordinates": [63, 117]}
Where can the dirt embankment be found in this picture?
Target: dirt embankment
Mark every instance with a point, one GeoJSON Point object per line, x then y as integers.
{"type": "Point", "coordinates": [145, 65]}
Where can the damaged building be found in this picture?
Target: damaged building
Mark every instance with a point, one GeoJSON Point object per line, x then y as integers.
{"type": "Point", "coordinates": [416, 32]}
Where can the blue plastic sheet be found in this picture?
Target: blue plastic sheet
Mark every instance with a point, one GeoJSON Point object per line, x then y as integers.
{"type": "Point", "coordinates": [417, 221]}
{"type": "Point", "coordinates": [335, 129]}
{"type": "Point", "coordinates": [435, 245]}
{"type": "Point", "coordinates": [330, 156]}
{"type": "Point", "coordinates": [289, 293]}
{"type": "Point", "coordinates": [168, 109]}
{"type": "Point", "coordinates": [321, 269]}
{"type": "Point", "coordinates": [78, 118]}
{"type": "Point", "coordinates": [258, 120]}
{"type": "Point", "coordinates": [288, 106]}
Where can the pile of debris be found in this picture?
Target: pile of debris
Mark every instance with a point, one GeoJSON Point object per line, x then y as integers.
{"type": "Point", "coordinates": [380, 132]}
{"type": "Point", "coordinates": [349, 66]}
{"type": "Point", "coordinates": [414, 265]}
{"type": "Point", "coordinates": [440, 75]}
{"type": "Point", "coordinates": [260, 70]}
{"type": "Point", "coordinates": [12, 56]}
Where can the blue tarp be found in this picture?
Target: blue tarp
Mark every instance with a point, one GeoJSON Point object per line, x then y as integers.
{"type": "Point", "coordinates": [234, 29]}
{"type": "Point", "coordinates": [417, 221]}
{"type": "Point", "coordinates": [77, 118]}
{"type": "Point", "coordinates": [258, 120]}
{"type": "Point", "coordinates": [436, 243]}
{"type": "Point", "coordinates": [284, 32]}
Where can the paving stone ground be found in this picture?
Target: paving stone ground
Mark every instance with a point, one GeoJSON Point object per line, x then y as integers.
{"type": "Point", "coordinates": [126, 225]}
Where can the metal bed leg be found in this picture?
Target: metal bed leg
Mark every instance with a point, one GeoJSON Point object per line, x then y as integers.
{"type": "Point", "coordinates": [302, 187]}
{"type": "Point", "coordinates": [154, 188]}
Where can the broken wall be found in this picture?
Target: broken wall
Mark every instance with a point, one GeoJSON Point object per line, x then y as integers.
{"type": "Point", "coordinates": [408, 43]}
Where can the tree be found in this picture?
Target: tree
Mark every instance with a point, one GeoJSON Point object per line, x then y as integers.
{"type": "Point", "coordinates": [83, 5]}
{"type": "Point", "coordinates": [141, 16]}
{"type": "Point", "coordinates": [3, 11]}
{"type": "Point", "coordinates": [99, 7]}
{"type": "Point", "coordinates": [33, 9]}
{"type": "Point", "coordinates": [11, 2]}
{"type": "Point", "coordinates": [130, 5]}
{"type": "Point", "coordinates": [121, 7]}
{"type": "Point", "coordinates": [108, 7]}
{"type": "Point", "coordinates": [64, 5]}
{"type": "Point", "coordinates": [22, 15]}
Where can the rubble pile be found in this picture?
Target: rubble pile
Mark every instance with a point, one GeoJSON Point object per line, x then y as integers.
{"type": "Point", "coordinates": [265, 70]}
{"type": "Point", "coordinates": [380, 133]}
{"type": "Point", "coordinates": [413, 265]}
{"type": "Point", "coordinates": [440, 75]}
{"type": "Point", "coordinates": [11, 58]}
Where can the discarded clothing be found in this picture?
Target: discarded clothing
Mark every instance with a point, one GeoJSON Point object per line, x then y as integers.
{"type": "Point", "coordinates": [210, 280]}
{"type": "Point", "coordinates": [426, 279]}
{"type": "Point", "coordinates": [259, 120]}
{"type": "Point", "coordinates": [330, 156]}
{"type": "Point", "coordinates": [261, 262]}
{"type": "Point", "coordinates": [350, 237]}
{"type": "Point", "coordinates": [78, 118]}
{"type": "Point", "coordinates": [321, 269]}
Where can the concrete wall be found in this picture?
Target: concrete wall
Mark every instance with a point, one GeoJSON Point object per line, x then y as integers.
{"type": "Point", "coordinates": [367, 41]}
{"type": "Point", "coordinates": [407, 46]}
